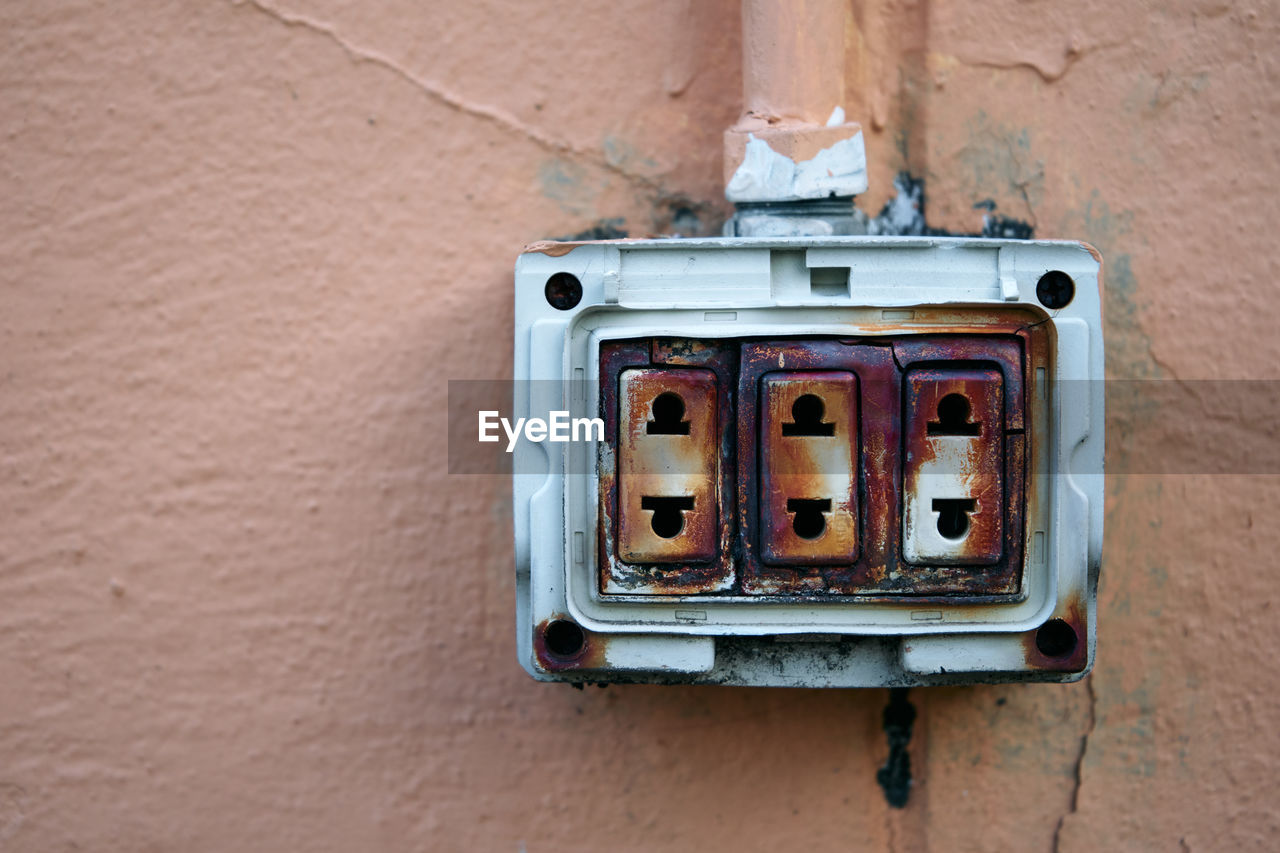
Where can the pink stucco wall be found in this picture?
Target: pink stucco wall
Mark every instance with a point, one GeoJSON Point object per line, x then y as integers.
{"type": "Point", "coordinates": [243, 606]}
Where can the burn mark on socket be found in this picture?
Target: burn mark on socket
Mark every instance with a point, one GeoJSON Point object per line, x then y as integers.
{"type": "Point", "coordinates": [808, 494]}
{"type": "Point", "coordinates": [953, 474]}
{"type": "Point", "coordinates": [668, 514]}
{"type": "Point", "coordinates": [668, 465]}
{"type": "Point", "coordinates": [763, 515]}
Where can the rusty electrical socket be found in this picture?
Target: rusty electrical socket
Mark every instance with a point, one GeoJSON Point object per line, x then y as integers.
{"type": "Point", "coordinates": [809, 486]}
{"type": "Point", "coordinates": [877, 468]}
{"type": "Point", "coordinates": [953, 481]}
{"type": "Point", "coordinates": [668, 466]}
{"type": "Point", "coordinates": [665, 517]}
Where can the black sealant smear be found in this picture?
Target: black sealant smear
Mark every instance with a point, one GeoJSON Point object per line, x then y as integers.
{"type": "Point", "coordinates": [903, 216]}
{"type": "Point", "coordinates": [895, 776]}
{"type": "Point", "coordinates": [601, 229]}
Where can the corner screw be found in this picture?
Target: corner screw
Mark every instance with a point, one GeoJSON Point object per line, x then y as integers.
{"type": "Point", "coordinates": [563, 291]}
{"type": "Point", "coordinates": [1055, 289]}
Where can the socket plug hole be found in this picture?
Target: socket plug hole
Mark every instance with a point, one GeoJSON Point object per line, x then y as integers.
{"type": "Point", "coordinates": [668, 416]}
{"type": "Point", "coordinates": [806, 414]}
{"type": "Point", "coordinates": [668, 514]}
{"type": "Point", "coordinates": [953, 417]}
{"type": "Point", "coordinates": [953, 516]}
{"type": "Point", "coordinates": [809, 521]}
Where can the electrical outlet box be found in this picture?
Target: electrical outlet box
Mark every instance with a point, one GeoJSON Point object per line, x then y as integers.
{"type": "Point", "coordinates": [833, 461]}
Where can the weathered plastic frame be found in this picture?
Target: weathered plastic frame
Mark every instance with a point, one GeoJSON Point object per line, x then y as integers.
{"type": "Point", "coordinates": [734, 288]}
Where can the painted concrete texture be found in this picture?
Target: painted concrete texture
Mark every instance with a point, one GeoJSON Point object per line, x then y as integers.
{"type": "Point", "coordinates": [245, 245]}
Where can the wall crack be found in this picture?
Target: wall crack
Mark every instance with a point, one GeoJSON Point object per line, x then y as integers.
{"type": "Point", "coordinates": [1079, 770]}
{"type": "Point", "coordinates": [453, 100]}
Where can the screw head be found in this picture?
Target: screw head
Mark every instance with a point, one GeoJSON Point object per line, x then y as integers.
{"type": "Point", "coordinates": [1055, 289]}
{"type": "Point", "coordinates": [563, 291]}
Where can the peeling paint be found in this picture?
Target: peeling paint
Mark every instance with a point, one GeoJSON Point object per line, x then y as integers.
{"type": "Point", "coordinates": [766, 175]}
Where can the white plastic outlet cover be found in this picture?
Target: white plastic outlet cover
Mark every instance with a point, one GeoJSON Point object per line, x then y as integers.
{"type": "Point", "coordinates": [710, 289]}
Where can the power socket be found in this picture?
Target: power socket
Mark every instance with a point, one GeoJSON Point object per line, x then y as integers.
{"type": "Point", "coordinates": [953, 432]}
{"type": "Point", "coordinates": [903, 478]}
{"type": "Point", "coordinates": [668, 466]}
{"type": "Point", "coordinates": [808, 459]}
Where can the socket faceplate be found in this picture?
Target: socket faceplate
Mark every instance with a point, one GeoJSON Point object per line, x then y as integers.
{"type": "Point", "coordinates": [954, 468]}
{"type": "Point", "coordinates": [744, 310]}
{"type": "Point", "coordinates": [668, 466]}
{"type": "Point", "coordinates": [809, 461]}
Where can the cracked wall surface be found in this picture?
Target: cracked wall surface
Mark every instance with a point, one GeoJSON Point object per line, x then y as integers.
{"type": "Point", "coordinates": [245, 245]}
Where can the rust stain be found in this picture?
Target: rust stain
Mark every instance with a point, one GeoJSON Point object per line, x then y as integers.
{"type": "Point", "coordinates": [592, 655]}
{"type": "Point", "coordinates": [1016, 353]}
{"type": "Point", "coordinates": [1071, 612]}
